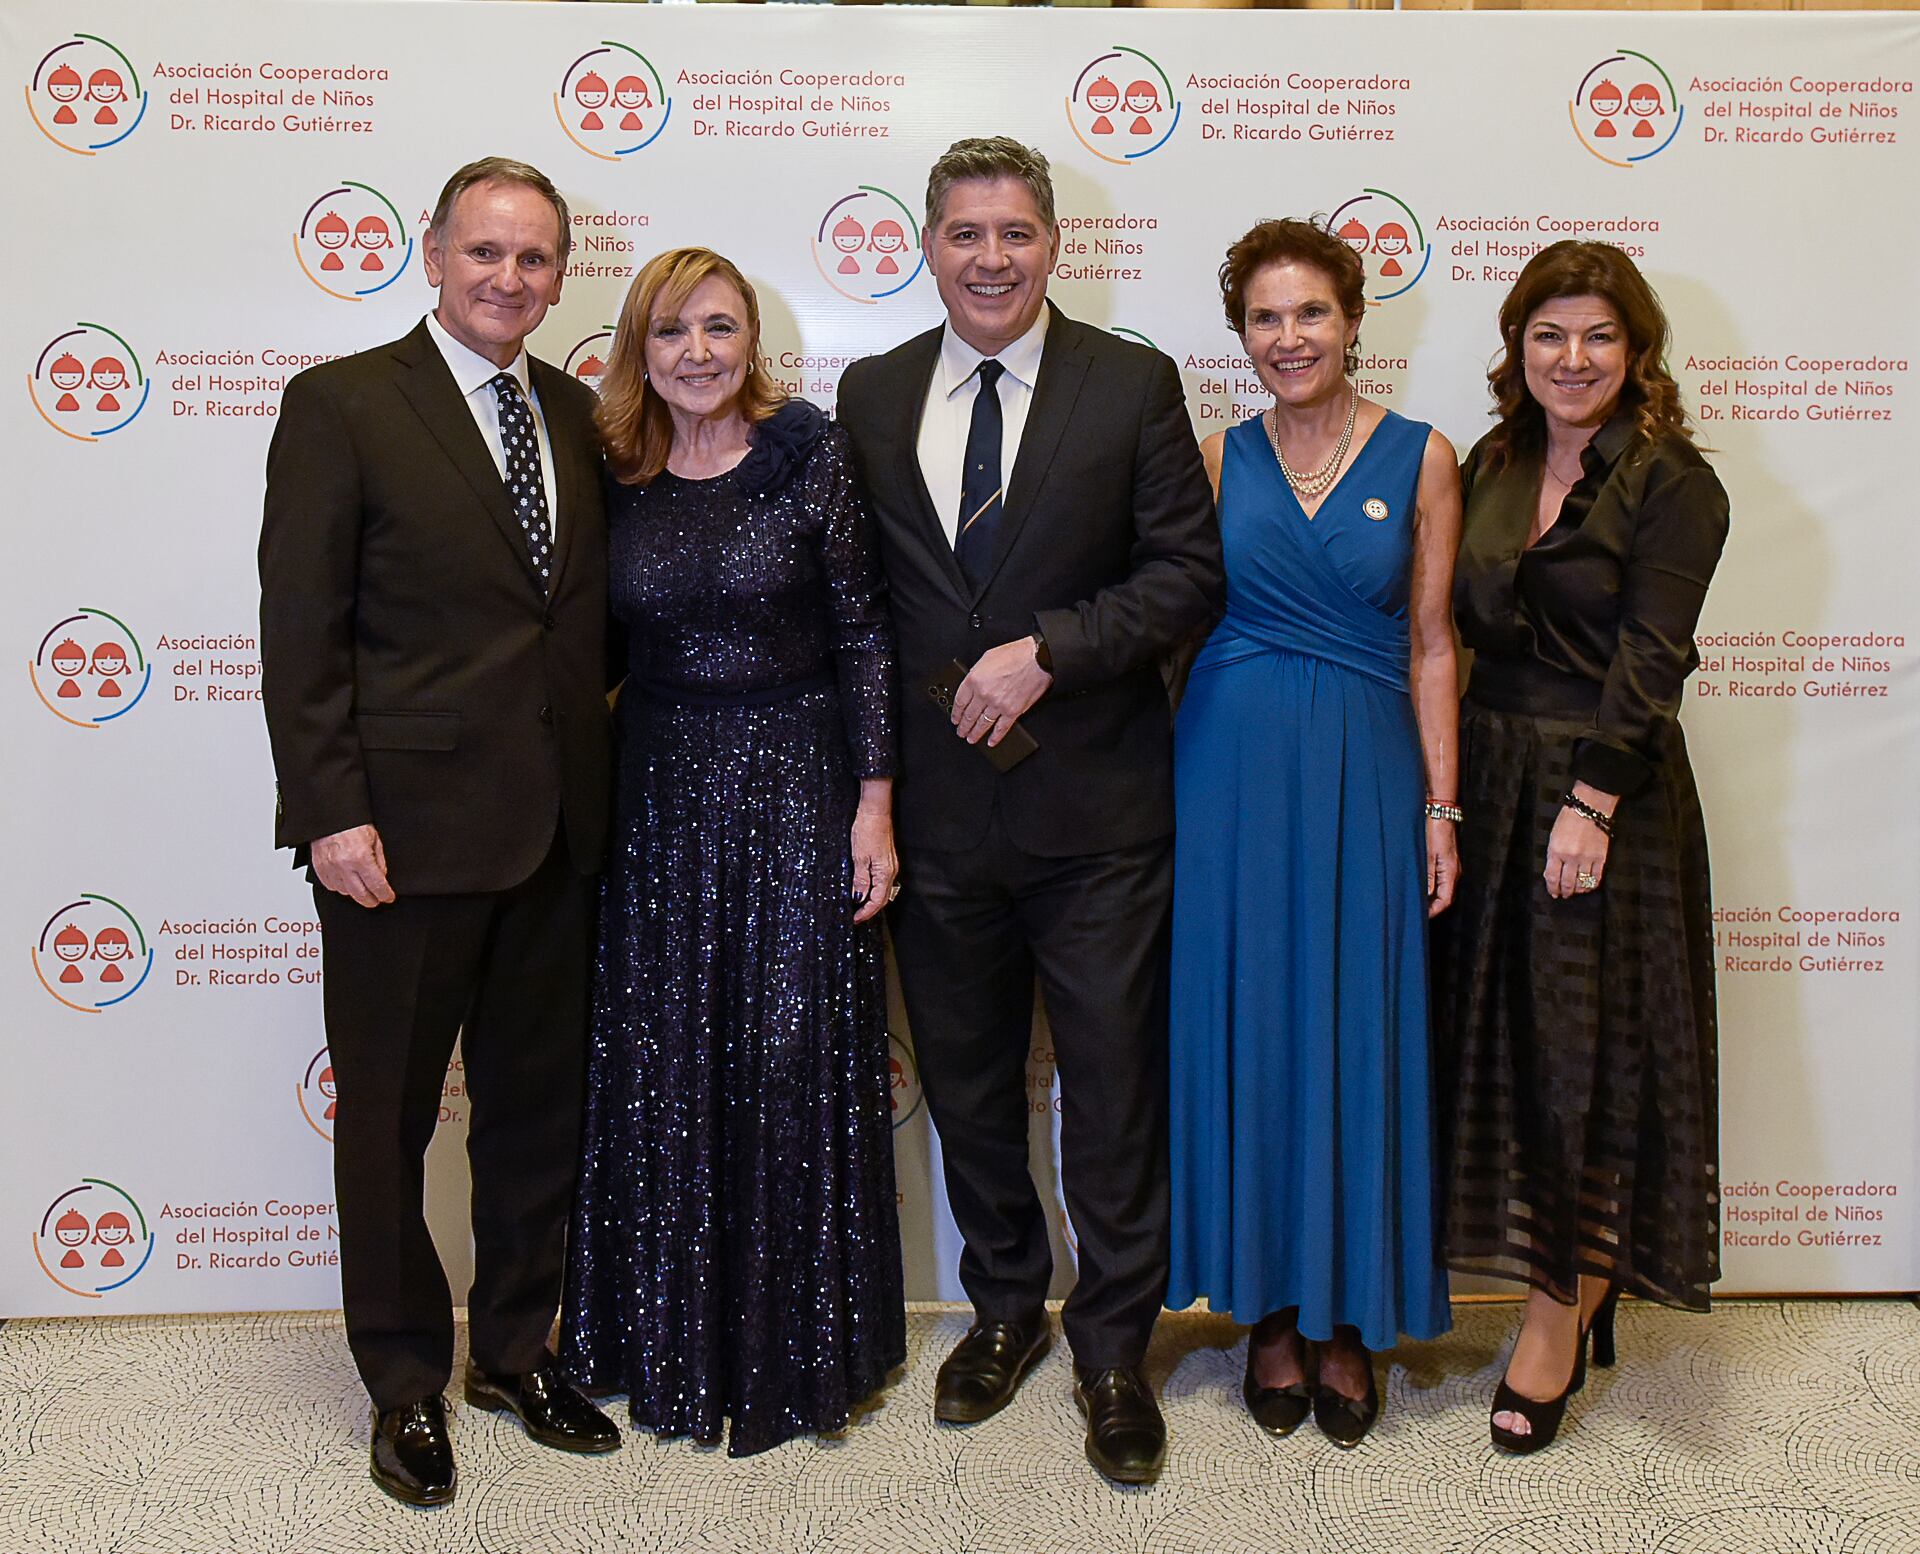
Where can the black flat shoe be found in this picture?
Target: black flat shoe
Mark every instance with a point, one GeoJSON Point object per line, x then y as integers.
{"type": "Point", "coordinates": [1343, 1420]}
{"type": "Point", "coordinates": [1277, 1410]}
{"type": "Point", "coordinates": [986, 1368]}
{"type": "Point", "coordinates": [555, 1412]}
{"type": "Point", "coordinates": [412, 1455]}
{"type": "Point", "coordinates": [1126, 1437]}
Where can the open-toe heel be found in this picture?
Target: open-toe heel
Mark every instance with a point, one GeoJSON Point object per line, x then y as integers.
{"type": "Point", "coordinates": [1543, 1419]}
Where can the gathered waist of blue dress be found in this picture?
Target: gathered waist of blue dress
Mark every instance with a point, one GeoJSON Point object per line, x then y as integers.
{"type": "Point", "coordinates": [757, 696]}
{"type": "Point", "coordinates": [1233, 640]}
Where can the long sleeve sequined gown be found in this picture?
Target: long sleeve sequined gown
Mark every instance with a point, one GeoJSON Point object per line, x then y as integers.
{"type": "Point", "coordinates": [735, 1250]}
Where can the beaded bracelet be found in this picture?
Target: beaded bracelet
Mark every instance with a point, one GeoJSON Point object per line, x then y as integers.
{"type": "Point", "coordinates": [1437, 810]}
{"type": "Point", "coordinates": [1587, 812]}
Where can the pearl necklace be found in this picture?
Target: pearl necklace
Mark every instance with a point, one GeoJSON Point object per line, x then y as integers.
{"type": "Point", "coordinates": [1323, 477]}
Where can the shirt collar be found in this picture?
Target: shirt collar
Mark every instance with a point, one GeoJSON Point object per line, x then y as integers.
{"type": "Point", "coordinates": [1612, 438]}
{"type": "Point", "coordinates": [1021, 359]}
{"type": "Point", "coordinates": [470, 369]}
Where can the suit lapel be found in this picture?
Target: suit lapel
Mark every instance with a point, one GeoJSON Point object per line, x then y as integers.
{"type": "Point", "coordinates": [435, 397]}
{"type": "Point", "coordinates": [916, 378]}
{"type": "Point", "coordinates": [1063, 368]}
{"type": "Point", "coordinates": [566, 521]}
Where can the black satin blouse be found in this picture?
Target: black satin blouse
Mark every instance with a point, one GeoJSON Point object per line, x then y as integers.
{"type": "Point", "coordinates": [1606, 602]}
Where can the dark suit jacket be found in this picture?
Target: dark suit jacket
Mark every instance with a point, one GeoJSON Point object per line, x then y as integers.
{"type": "Point", "coordinates": [1108, 544]}
{"type": "Point", "coordinates": [414, 675]}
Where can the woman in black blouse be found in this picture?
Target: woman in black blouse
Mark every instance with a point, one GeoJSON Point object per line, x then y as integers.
{"type": "Point", "coordinates": [1575, 1005]}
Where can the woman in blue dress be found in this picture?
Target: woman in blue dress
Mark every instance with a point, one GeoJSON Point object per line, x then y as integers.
{"type": "Point", "coordinates": [1314, 770]}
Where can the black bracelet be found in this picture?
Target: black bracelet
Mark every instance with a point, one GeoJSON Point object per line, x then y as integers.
{"type": "Point", "coordinates": [1587, 812]}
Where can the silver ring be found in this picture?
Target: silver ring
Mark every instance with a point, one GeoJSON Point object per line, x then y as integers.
{"type": "Point", "coordinates": [1585, 881]}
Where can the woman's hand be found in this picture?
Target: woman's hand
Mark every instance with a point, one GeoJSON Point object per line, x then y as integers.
{"type": "Point", "coordinates": [1443, 865]}
{"type": "Point", "coordinates": [876, 867]}
{"type": "Point", "coordinates": [1577, 849]}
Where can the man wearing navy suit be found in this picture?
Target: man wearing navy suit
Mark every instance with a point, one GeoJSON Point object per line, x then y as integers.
{"type": "Point", "coordinates": [433, 614]}
{"type": "Point", "coordinates": [1044, 520]}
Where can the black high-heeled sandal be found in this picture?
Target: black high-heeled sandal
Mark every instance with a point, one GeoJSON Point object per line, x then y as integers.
{"type": "Point", "coordinates": [1278, 1410]}
{"type": "Point", "coordinates": [1543, 1419]}
{"type": "Point", "coordinates": [1601, 1327]}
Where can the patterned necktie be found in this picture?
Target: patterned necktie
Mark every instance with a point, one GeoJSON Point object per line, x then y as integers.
{"type": "Point", "coordinates": [980, 503]}
{"type": "Point", "coordinates": [526, 490]}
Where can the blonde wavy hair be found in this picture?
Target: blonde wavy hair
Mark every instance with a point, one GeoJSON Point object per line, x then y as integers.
{"type": "Point", "coordinates": [636, 429]}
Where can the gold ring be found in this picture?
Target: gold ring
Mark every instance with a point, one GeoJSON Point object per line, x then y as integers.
{"type": "Point", "coordinates": [1585, 881]}
{"type": "Point", "coordinates": [893, 892]}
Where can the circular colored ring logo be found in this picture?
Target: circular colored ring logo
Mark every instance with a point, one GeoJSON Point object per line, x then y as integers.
{"type": "Point", "coordinates": [89, 670]}
{"type": "Point", "coordinates": [636, 105]}
{"type": "Point", "coordinates": [1122, 124]}
{"type": "Point", "coordinates": [92, 1239]}
{"type": "Point", "coordinates": [903, 1077]}
{"type": "Point", "coordinates": [88, 382]}
{"type": "Point", "coordinates": [1618, 108]}
{"type": "Point", "coordinates": [318, 1095]}
{"type": "Point", "coordinates": [85, 95]}
{"type": "Point", "coordinates": [92, 954]}
{"type": "Point", "coordinates": [863, 243]}
{"type": "Point", "coordinates": [587, 361]}
{"type": "Point", "coordinates": [352, 243]}
{"type": "Point", "coordinates": [1388, 237]}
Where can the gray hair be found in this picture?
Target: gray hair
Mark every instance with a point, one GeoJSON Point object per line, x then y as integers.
{"type": "Point", "coordinates": [991, 158]}
{"type": "Point", "coordinates": [500, 169]}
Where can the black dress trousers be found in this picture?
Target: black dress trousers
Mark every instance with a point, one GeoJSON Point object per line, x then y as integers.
{"type": "Point", "coordinates": [971, 931]}
{"type": "Point", "coordinates": [400, 983]}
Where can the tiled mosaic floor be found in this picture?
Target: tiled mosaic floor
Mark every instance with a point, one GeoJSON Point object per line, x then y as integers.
{"type": "Point", "coordinates": [1765, 1427]}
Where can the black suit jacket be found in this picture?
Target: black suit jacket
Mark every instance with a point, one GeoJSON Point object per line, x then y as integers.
{"type": "Point", "coordinates": [414, 674]}
{"type": "Point", "coordinates": [1108, 544]}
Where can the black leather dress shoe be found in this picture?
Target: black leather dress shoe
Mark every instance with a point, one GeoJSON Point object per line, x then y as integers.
{"type": "Point", "coordinates": [1126, 1437]}
{"type": "Point", "coordinates": [986, 1368]}
{"type": "Point", "coordinates": [412, 1454]}
{"type": "Point", "coordinates": [555, 1411]}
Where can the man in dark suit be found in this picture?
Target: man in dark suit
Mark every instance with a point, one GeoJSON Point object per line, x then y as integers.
{"type": "Point", "coordinates": [433, 616]}
{"type": "Point", "coordinates": [1044, 519]}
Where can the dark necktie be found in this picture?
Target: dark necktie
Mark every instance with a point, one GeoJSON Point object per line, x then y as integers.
{"type": "Point", "coordinates": [980, 503]}
{"type": "Point", "coordinates": [526, 490]}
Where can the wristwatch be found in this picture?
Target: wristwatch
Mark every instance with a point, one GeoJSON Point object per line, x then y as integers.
{"type": "Point", "coordinates": [1042, 654]}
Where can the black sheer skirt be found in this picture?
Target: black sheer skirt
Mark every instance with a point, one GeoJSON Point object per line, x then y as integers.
{"type": "Point", "coordinates": [1577, 1039]}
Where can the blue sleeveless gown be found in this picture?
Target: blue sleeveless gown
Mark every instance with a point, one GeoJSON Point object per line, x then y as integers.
{"type": "Point", "coordinates": [1302, 1114]}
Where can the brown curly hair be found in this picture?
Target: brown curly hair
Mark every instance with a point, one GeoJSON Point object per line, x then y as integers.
{"type": "Point", "coordinates": [1287, 240]}
{"type": "Point", "coordinates": [1576, 269]}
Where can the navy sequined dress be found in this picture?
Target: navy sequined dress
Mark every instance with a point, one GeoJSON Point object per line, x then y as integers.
{"type": "Point", "coordinates": [735, 1250]}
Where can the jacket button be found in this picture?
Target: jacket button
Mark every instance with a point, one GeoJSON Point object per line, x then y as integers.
{"type": "Point", "coordinates": [547, 622]}
{"type": "Point", "coordinates": [546, 716]}
{"type": "Point", "coordinates": [974, 622]}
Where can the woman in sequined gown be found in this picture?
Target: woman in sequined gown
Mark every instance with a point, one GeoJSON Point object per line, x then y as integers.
{"type": "Point", "coordinates": [735, 1251]}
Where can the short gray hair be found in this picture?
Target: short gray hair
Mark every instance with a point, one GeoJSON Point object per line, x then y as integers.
{"type": "Point", "coordinates": [994, 157]}
{"type": "Point", "coordinates": [500, 169]}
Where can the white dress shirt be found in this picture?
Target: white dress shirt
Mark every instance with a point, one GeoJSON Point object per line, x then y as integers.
{"type": "Point", "coordinates": [473, 375]}
{"type": "Point", "coordinates": [948, 415]}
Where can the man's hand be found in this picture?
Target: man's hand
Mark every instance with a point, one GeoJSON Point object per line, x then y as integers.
{"type": "Point", "coordinates": [353, 863]}
{"type": "Point", "coordinates": [997, 692]}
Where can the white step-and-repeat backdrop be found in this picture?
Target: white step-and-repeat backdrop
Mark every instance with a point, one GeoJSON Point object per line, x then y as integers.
{"type": "Point", "coordinates": [208, 197]}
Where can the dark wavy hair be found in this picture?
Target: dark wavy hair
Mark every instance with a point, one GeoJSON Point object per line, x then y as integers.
{"type": "Point", "coordinates": [1575, 269]}
{"type": "Point", "coordinates": [636, 429]}
{"type": "Point", "coordinates": [1288, 240]}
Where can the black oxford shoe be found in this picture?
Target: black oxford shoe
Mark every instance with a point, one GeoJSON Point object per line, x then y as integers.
{"type": "Point", "coordinates": [986, 1368]}
{"type": "Point", "coordinates": [412, 1454]}
{"type": "Point", "coordinates": [1126, 1437]}
{"type": "Point", "coordinates": [552, 1408]}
